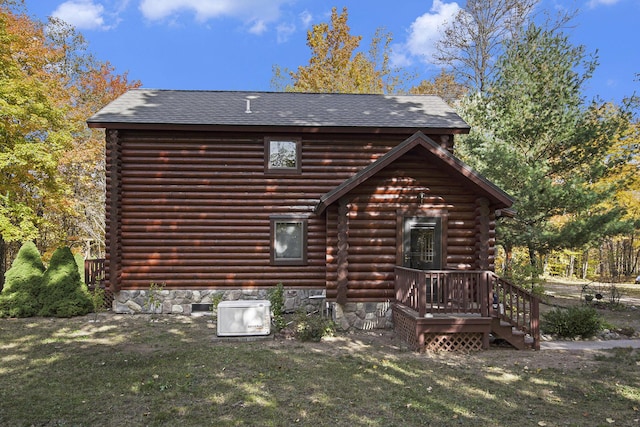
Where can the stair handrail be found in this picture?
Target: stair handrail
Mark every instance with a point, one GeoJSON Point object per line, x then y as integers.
{"type": "Point", "coordinates": [516, 306]}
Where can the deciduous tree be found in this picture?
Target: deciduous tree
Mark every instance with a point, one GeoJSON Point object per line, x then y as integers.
{"type": "Point", "coordinates": [443, 85]}
{"type": "Point", "coordinates": [472, 41]}
{"type": "Point", "coordinates": [34, 128]}
{"type": "Point", "coordinates": [52, 181]}
{"type": "Point", "coordinates": [338, 66]}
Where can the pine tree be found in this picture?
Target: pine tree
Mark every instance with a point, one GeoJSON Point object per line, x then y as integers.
{"type": "Point", "coordinates": [64, 293]}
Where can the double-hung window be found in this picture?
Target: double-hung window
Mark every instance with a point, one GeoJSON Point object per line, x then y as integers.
{"type": "Point", "coordinates": [288, 241]}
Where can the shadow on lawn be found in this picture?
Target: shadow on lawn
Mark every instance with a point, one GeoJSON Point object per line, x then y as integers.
{"type": "Point", "coordinates": [130, 370]}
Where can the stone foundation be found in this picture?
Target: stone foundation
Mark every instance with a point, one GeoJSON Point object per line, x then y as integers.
{"type": "Point", "coordinates": [180, 301]}
{"type": "Point", "coordinates": [351, 315]}
{"type": "Point", "coordinates": [363, 315]}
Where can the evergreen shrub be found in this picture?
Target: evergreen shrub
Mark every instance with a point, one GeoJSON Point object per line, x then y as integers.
{"type": "Point", "coordinates": [23, 284]}
{"type": "Point", "coordinates": [64, 293]}
{"type": "Point", "coordinates": [576, 321]}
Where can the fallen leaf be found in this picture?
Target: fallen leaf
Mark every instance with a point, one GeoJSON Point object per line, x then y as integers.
{"type": "Point", "coordinates": [542, 423]}
{"type": "Point", "coordinates": [611, 420]}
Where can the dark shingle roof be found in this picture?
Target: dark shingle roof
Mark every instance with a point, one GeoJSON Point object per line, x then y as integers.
{"type": "Point", "coordinates": [173, 107]}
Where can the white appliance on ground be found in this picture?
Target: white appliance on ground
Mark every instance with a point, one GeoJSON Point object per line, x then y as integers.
{"type": "Point", "coordinates": [244, 318]}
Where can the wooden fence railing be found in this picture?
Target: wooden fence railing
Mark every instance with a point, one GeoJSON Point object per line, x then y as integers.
{"type": "Point", "coordinates": [468, 292]}
{"type": "Point", "coordinates": [93, 271]}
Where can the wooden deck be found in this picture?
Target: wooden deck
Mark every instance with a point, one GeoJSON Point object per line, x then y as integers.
{"type": "Point", "coordinates": [458, 310]}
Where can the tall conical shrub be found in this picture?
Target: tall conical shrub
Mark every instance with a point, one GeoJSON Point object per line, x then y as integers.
{"type": "Point", "coordinates": [64, 293]}
{"type": "Point", "coordinates": [23, 284]}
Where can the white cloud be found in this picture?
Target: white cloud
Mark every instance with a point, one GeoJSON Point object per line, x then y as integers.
{"type": "Point", "coordinates": [285, 31]}
{"type": "Point", "coordinates": [258, 27]}
{"type": "Point", "coordinates": [82, 14]}
{"type": "Point", "coordinates": [256, 14]}
{"type": "Point", "coordinates": [306, 18]}
{"type": "Point", "coordinates": [595, 3]}
{"type": "Point", "coordinates": [425, 30]}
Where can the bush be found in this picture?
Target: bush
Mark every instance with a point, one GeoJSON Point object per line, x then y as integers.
{"type": "Point", "coordinates": [276, 298]}
{"type": "Point", "coordinates": [64, 293]}
{"type": "Point", "coordinates": [80, 263]}
{"type": "Point", "coordinates": [23, 284]}
{"type": "Point", "coordinates": [313, 327]}
{"type": "Point", "coordinates": [572, 322]}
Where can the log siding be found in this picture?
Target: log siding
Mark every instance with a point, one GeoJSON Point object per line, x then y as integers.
{"type": "Point", "coordinates": [193, 210]}
{"type": "Point", "coordinates": [376, 210]}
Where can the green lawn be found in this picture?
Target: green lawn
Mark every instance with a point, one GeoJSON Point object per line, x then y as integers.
{"type": "Point", "coordinates": [133, 370]}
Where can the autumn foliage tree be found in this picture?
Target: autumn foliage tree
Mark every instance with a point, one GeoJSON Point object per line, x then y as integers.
{"type": "Point", "coordinates": [52, 178]}
{"type": "Point", "coordinates": [443, 85]}
{"type": "Point", "coordinates": [337, 65]}
{"type": "Point", "coordinates": [34, 128]}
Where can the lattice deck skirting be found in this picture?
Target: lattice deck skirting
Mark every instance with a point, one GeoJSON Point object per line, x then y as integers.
{"type": "Point", "coordinates": [441, 333]}
{"type": "Point", "coordinates": [460, 342]}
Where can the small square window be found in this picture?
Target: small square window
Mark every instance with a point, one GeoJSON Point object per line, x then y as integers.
{"type": "Point", "coordinates": [289, 241]}
{"type": "Point", "coordinates": [282, 155]}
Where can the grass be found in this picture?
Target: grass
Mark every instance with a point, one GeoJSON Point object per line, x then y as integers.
{"type": "Point", "coordinates": [134, 370]}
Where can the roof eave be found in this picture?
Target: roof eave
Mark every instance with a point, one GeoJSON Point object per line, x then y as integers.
{"type": "Point", "coordinates": [292, 128]}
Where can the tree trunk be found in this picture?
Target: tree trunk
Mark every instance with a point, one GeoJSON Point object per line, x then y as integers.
{"type": "Point", "coordinates": [3, 261]}
{"type": "Point", "coordinates": [585, 264]}
{"type": "Point", "coordinates": [572, 261]}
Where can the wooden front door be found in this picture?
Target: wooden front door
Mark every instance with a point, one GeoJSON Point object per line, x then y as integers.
{"type": "Point", "coordinates": [422, 243]}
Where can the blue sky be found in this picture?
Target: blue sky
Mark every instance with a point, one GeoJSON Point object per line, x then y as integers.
{"type": "Point", "coordinates": [233, 44]}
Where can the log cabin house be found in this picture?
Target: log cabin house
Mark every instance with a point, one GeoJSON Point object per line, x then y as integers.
{"type": "Point", "coordinates": [356, 198]}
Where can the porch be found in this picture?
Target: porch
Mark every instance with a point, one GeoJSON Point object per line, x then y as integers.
{"type": "Point", "coordinates": [458, 310]}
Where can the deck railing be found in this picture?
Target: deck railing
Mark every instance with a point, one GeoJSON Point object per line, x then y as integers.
{"type": "Point", "coordinates": [93, 271]}
{"type": "Point", "coordinates": [516, 306]}
{"type": "Point", "coordinates": [468, 292]}
{"type": "Point", "coordinates": [440, 291]}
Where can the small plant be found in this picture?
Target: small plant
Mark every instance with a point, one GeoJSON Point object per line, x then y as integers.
{"type": "Point", "coordinates": [572, 322]}
{"type": "Point", "coordinates": [276, 298]}
{"type": "Point", "coordinates": [97, 300]}
{"type": "Point", "coordinates": [614, 296]}
{"type": "Point", "coordinates": [313, 327]}
{"type": "Point", "coordinates": [153, 297]}
{"type": "Point", "coordinates": [215, 300]}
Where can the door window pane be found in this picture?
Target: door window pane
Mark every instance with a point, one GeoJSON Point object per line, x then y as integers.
{"type": "Point", "coordinates": [422, 243]}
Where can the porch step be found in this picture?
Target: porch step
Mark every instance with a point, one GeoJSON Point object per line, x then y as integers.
{"type": "Point", "coordinates": [505, 331]}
